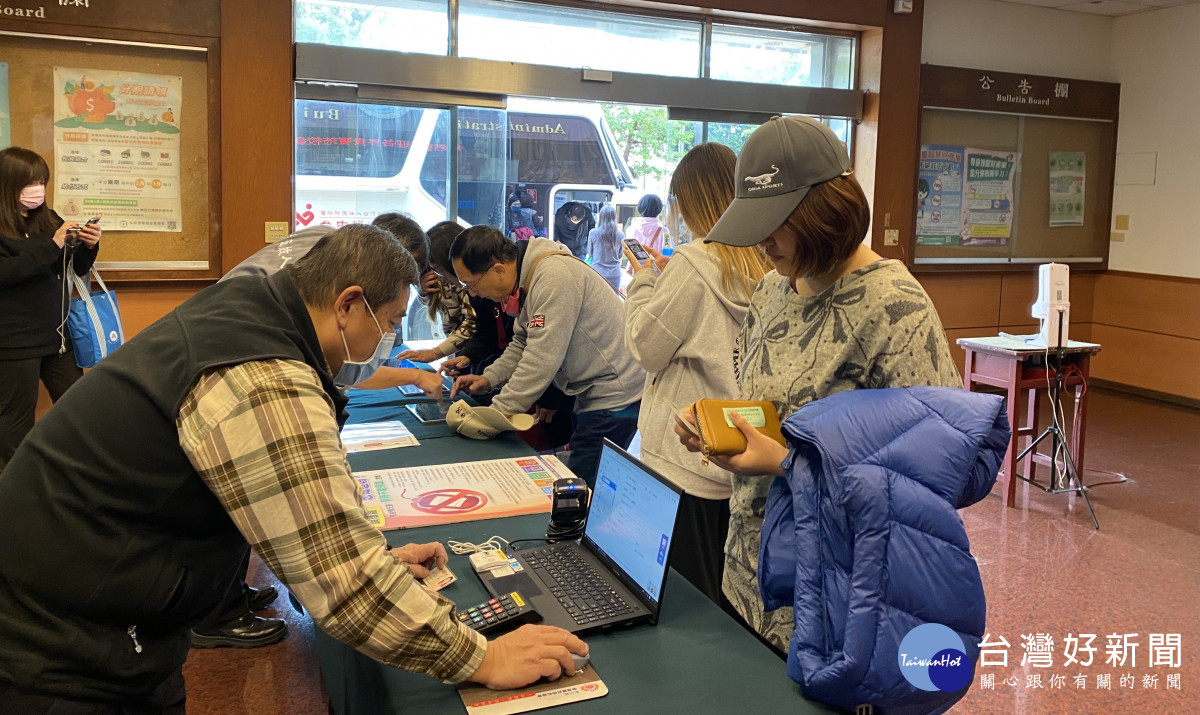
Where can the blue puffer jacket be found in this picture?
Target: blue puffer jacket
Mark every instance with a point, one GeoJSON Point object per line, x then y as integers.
{"type": "Point", "coordinates": [863, 539]}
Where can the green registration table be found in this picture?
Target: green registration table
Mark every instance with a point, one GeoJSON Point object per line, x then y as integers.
{"type": "Point", "coordinates": [697, 659]}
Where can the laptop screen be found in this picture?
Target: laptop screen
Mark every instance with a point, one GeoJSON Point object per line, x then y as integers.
{"type": "Point", "coordinates": [632, 520]}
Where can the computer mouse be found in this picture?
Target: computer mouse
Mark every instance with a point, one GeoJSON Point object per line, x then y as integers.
{"type": "Point", "coordinates": [580, 661]}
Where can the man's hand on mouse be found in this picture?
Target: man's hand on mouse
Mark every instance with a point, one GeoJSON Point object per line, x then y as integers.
{"type": "Point", "coordinates": [519, 658]}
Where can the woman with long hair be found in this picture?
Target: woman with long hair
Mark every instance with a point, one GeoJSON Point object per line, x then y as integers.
{"type": "Point", "coordinates": [682, 327]}
{"type": "Point", "coordinates": [36, 249]}
{"type": "Point", "coordinates": [604, 246]}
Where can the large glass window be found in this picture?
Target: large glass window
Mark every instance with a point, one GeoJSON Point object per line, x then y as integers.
{"type": "Point", "coordinates": [400, 25]}
{"type": "Point", "coordinates": [355, 161]}
{"type": "Point", "coordinates": [731, 135]}
{"type": "Point", "coordinates": [785, 57]}
{"type": "Point", "coordinates": [573, 37]}
{"type": "Point", "coordinates": [359, 140]}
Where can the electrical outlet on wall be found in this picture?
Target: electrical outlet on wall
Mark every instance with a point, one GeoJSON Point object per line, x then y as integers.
{"type": "Point", "coordinates": [891, 237]}
{"type": "Point", "coordinates": [276, 230]}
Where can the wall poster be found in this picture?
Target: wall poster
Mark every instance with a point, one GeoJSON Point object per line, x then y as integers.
{"type": "Point", "coordinates": [1067, 176]}
{"type": "Point", "coordinates": [988, 197]}
{"type": "Point", "coordinates": [939, 195]}
{"type": "Point", "coordinates": [116, 140]}
{"type": "Point", "coordinates": [5, 117]}
{"type": "Point", "coordinates": [965, 196]}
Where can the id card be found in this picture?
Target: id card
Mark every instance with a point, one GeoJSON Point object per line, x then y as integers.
{"type": "Point", "coordinates": [675, 410]}
{"type": "Point", "coordinates": [439, 578]}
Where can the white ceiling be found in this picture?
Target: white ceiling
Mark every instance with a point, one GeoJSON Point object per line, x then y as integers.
{"type": "Point", "coordinates": [1112, 8]}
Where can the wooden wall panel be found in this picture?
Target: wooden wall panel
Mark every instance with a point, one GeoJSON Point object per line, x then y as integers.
{"type": "Point", "coordinates": [183, 17]}
{"type": "Point", "coordinates": [142, 305]}
{"type": "Point", "coordinates": [1017, 293]}
{"type": "Point", "coordinates": [897, 152]}
{"type": "Point", "coordinates": [964, 300]}
{"type": "Point", "coordinates": [256, 123]}
{"type": "Point", "coordinates": [1156, 304]}
{"type": "Point", "coordinates": [1151, 361]}
{"type": "Point", "coordinates": [1083, 296]}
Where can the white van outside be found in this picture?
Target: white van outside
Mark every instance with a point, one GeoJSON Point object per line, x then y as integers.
{"type": "Point", "coordinates": [355, 161]}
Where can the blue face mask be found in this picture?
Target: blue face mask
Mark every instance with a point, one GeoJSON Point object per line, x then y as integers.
{"type": "Point", "coordinates": [353, 371]}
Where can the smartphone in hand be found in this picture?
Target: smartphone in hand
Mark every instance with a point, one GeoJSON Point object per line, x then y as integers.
{"type": "Point", "coordinates": [638, 252]}
{"type": "Point", "coordinates": [73, 239]}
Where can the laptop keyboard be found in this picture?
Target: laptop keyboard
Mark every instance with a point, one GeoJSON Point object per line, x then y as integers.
{"type": "Point", "coordinates": [577, 585]}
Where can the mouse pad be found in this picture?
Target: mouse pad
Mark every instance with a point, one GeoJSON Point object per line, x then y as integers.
{"type": "Point", "coordinates": [584, 685]}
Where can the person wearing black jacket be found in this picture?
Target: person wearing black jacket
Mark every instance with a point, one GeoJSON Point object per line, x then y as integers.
{"type": "Point", "coordinates": [572, 223]}
{"type": "Point", "coordinates": [35, 252]}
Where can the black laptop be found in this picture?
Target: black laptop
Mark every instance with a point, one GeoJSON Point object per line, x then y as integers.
{"type": "Point", "coordinates": [615, 575]}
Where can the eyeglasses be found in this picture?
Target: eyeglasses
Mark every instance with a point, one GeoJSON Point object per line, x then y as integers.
{"type": "Point", "coordinates": [471, 285]}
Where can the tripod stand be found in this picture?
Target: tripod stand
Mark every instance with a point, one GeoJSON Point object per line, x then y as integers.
{"type": "Point", "coordinates": [1067, 480]}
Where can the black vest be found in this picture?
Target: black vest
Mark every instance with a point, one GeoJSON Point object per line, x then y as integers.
{"type": "Point", "coordinates": [104, 524]}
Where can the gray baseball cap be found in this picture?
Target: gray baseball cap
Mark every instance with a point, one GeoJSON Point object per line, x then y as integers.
{"type": "Point", "coordinates": [779, 163]}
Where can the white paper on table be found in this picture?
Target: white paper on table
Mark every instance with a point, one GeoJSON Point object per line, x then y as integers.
{"type": "Point", "coordinates": [377, 435]}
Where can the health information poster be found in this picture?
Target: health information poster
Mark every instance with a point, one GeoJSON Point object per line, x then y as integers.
{"type": "Point", "coordinates": [116, 143]}
{"type": "Point", "coordinates": [988, 197]}
{"type": "Point", "coordinates": [451, 493]}
{"type": "Point", "coordinates": [965, 196]}
{"type": "Point", "coordinates": [939, 195]}
{"type": "Point", "coordinates": [1067, 177]}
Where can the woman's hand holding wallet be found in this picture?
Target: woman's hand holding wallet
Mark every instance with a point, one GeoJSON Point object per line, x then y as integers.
{"type": "Point", "coordinates": [717, 429]}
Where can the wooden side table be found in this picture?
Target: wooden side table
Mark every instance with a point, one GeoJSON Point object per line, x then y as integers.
{"type": "Point", "coordinates": [1015, 367]}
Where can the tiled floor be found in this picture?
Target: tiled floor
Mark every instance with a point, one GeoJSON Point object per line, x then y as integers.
{"type": "Point", "coordinates": [1046, 571]}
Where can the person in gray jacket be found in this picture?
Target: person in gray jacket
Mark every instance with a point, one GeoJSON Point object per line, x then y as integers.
{"type": "Point", "coordinates": [683, 327]}
{"type": "Point", "coordinates": [273, 257]}
{"type": "Point", "coordinates": [570, 330]}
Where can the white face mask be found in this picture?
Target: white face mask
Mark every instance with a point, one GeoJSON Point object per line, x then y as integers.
{"type": "Point", "coordinates": [354, 371]}
{"type": "Point", "coordinates": [33, 196]}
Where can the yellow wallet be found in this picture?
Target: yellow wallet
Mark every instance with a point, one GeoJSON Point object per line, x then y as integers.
{"type": "Point", "coordinates": [717, 433]}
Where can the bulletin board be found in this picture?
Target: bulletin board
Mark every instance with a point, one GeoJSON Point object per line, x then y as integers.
{"type": "Point", "coordinates": [1033, 138]}
{"type": "Point", "coordinates": [1029, 117]}
{"type": "Point", "coordinates": [190, 252]}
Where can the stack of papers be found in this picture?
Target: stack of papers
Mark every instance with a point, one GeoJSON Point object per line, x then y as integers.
{"type": "Point", "coordinates": [377, 435]}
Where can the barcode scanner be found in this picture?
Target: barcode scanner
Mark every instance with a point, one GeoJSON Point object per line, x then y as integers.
{"type": "Point", "coordinates": [568, 509]}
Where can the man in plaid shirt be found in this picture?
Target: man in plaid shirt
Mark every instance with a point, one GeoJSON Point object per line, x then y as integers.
{"type": "Point", "coordinates": [214, 427]}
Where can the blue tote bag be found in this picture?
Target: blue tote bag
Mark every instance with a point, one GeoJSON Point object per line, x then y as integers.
{"type": "Point", "coordinates": [94, 321]}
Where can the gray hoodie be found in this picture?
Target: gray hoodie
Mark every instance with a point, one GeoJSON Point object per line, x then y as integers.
{"type": "Point", "coordinates": [683, 328]}
{"type": "Point", "coordinates": [570, 331]}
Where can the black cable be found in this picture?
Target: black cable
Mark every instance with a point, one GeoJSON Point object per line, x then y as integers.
{"type": "Point", "coordinates": [555, 532]}
{"type": "Point", "coordinates": [564, 532]}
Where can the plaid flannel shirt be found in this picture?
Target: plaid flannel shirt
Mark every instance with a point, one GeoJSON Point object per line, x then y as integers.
{"type": "Point", "coordinates": [264, 438]}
